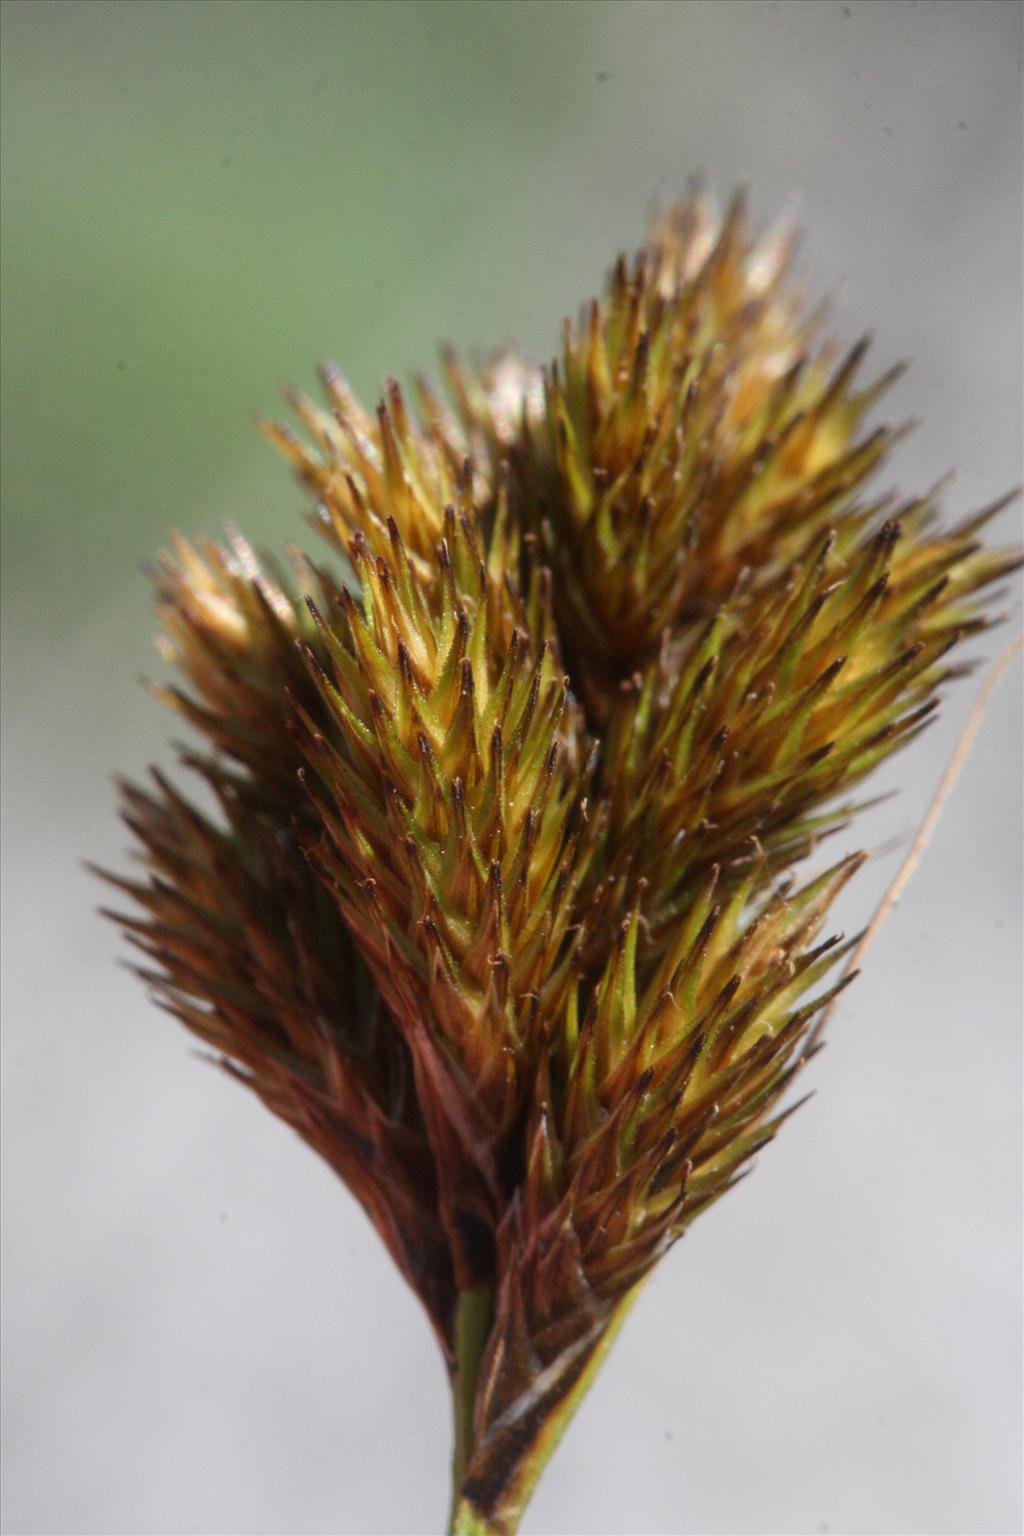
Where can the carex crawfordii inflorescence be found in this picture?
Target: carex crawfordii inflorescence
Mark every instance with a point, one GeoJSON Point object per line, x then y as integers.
{"type": "Point", "coordinates": [495, 909]}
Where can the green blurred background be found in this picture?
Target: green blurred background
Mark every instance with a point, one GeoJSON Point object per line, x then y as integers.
{"type": "Point", "coordinates": [201, 201]}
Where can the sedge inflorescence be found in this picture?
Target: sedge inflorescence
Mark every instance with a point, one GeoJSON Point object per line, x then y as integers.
{"type": "Point", "coordinates": [497, 909]}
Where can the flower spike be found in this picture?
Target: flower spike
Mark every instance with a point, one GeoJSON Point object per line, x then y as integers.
{"type": "Point", "coordinates": [498, 904]}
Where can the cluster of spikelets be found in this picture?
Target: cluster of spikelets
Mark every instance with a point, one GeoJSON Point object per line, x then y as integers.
{"type": "Point", "coordinates": [495, 911]}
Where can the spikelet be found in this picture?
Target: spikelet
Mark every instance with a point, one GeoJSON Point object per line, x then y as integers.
{"type": "Point", "coordinates": [449, 783]}
{"type": "Point", "coordinates": [747, 743]}
{"type": "Point", "coordinates": [645, 1113]}
{"type": "Point", "coordinates": [240, 942]}
{"type": "Point", "coordinates": [497, 906]}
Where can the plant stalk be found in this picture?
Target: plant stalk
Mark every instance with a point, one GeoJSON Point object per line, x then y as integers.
{"type": "Point", "coordinates": [474, 1314]}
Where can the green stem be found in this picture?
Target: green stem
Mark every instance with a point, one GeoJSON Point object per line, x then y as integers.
{"type": "Point", "coordinates": [467, 1522]}
{"type": "Point", "coordinates": [474, 1314]}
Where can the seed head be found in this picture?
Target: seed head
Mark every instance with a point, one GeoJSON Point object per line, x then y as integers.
{"type": "Point", "coordinates": [498, 906]}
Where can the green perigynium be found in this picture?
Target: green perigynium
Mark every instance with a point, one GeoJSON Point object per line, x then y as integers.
{"type": "Point", "coordinates": [496, 910]}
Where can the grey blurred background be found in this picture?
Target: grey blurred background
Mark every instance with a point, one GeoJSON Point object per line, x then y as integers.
{"type": "Point", "coordinates": [201, 1331]}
